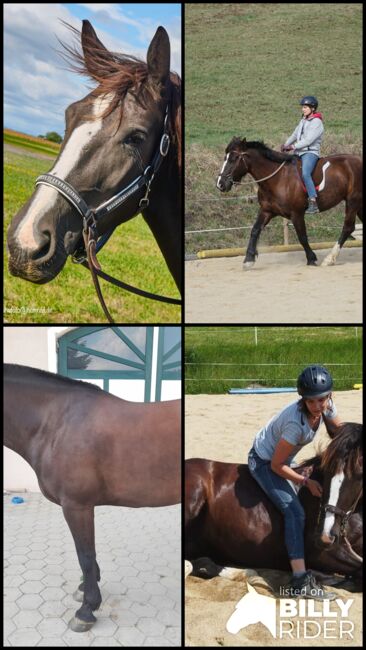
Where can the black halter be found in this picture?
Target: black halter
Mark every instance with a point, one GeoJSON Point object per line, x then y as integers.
{"type": "Point", "coordinates": [93, 242]}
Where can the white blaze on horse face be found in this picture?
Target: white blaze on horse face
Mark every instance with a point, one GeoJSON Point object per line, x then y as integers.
{"type": "Point", "coordinates": [45, 197]}
{"type": "Point", "coordinates": [222, 171]}
{"type": "Point", "coordinates": [334, 491]}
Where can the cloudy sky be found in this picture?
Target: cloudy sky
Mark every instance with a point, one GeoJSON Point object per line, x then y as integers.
{"type": "Point", "coordinates": [37, 88]}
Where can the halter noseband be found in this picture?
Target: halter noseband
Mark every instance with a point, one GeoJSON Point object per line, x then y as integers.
{"type": "Point", "coordinates": [91, 216]}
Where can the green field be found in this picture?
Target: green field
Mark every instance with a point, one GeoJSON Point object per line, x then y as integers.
{"type": "Point", "coordinates": [246, 67]}
{"type": "Point", "coordinates": [219, 358]}
{"type": "Point", "coordinates": [131, 255]}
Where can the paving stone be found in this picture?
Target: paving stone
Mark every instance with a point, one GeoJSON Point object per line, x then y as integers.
{"type": "Point", "coordinates": [139, 554]}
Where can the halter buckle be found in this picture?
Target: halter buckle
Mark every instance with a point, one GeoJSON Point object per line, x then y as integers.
{"type": "Point", "coordinates": [164, 144]}
{"type": "Point", "coordinates": [144, 203]}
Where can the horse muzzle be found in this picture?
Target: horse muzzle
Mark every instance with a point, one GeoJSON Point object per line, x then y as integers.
{"type": "Point", "coordinates": [224, 184]}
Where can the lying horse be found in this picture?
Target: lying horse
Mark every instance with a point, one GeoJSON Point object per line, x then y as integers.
{"type": "Point", "coordinates": [281, 190]}
{"type": "Point", "coordinates": [90, 448]}
{"type": "Point", "coordinates": [229, 518]}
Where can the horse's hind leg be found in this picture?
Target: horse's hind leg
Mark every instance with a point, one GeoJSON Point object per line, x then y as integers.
{"type": "Point", "coordinates": [352, 208]}
{"type": "Point", "coordinates": [300, 227]}
{"type": "Point", "coordinates": [81, 524]}
{"type": "Point", "coordinates": [194, 504]}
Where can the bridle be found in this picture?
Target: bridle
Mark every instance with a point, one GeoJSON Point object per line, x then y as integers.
{"type": "Point", "coordinates": [256, 180]}
{"type": "Point", "coordinates": [93, 242]}
{"type": "Point", "coordinates": [345, 515]}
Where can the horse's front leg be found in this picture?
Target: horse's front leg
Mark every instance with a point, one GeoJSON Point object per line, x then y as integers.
{"type": "Point", "coordinates": [79, 593]}
{"type": "Point", "coordinates": [81, 524]}
{"type": "Point", "coordinates": [299, 224]}
{"type": "Point", "coordinates": [251, 253]}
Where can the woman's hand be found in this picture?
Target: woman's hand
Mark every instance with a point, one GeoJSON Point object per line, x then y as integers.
{"type": "Point", "coordinates": [314, 487]}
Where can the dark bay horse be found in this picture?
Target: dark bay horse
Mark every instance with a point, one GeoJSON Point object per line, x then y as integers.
{"type": "Point", "coordinates": [90, 448]}
{"type": "Point", "coordinates": [229, 518]}
{"type": "Point", "coordinates": [281, 191]}
{"type": "Point", "coordinates": [121, 155]}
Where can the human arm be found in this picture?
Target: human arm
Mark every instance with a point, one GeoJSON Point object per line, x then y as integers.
{"type": "Point", "coordinates": [278, 465]}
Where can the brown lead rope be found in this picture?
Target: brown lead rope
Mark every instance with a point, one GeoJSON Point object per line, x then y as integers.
{"type": "Point", "coordinates": [95, 269]}
{"type": "Point", "coordinates": [94, 266]}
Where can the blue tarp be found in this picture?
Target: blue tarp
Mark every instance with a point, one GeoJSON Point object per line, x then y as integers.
{"type": "Point", "coordinates": [254, 391]}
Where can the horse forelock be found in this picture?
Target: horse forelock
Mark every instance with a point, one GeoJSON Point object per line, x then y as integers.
{"type": "Point", "coordinates": [345, 452]}
{"type": "Point", "coordinates": [117, 74]}
{"type": "Point", "coordinates": [235, 143]}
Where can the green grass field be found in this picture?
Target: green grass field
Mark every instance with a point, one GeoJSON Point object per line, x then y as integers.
{"type": "Point", "coordinates": [131, 255]}
{"type": "Point", "coordinates": [246, 67]}
{"type": "Point", "coordinates": [219, 358]}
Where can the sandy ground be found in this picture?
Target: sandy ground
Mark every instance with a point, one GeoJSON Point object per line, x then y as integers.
{"type": "Point", "coordinates": [280, 288]}
{"type": "Point", "coordinates": [222, 427]}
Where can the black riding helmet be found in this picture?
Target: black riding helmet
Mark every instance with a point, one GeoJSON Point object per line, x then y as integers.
{"type": "Point", "coordinates": [309, 100]}
{"type": "Point", "coordinates": [314, 381]}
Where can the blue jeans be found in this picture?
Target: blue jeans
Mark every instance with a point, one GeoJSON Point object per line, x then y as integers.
{"type": "Point", "coordinates": [282, 495]}
{"type": "Point", "coordinates": [309, 161]}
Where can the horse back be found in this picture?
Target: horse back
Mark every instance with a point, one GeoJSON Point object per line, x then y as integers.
{"type": "Point", "coordinates": [348, 165]}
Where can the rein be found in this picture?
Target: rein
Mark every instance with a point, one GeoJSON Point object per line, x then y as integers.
{"type": "Point", "coordinates": [259, 180]}
{"type": "Point", "coordinates": [93, 242]}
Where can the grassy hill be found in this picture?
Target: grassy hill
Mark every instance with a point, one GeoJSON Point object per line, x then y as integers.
{"type": "Point", "coordinates": [246, 67]}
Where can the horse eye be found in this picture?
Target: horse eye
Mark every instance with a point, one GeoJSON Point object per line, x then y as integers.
{"type": "Point", "coordinates": [134, 139]}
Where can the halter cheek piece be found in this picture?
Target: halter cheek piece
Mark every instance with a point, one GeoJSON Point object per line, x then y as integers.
{"type": "Point", "coordinates": [93, 243]}
{"type": "Point", "coordinates": [344, 514]}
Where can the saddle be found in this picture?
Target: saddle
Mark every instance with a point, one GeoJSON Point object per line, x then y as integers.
{"type": "Point", "coordinates": [318, 175]}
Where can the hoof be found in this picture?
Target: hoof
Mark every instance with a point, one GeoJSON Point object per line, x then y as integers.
{"type": "Point", "coordinates": [78, 596]}
{"type": "Point", "coordinates": [77, 625]}
{"type": "Point", "coordinates": [247, 265]}
{"type": "Point", "coordinates": [313, 263]}
{"type": "Point", "coordinates": [328, 261]}
{"type": "Point", "coordinates": [188, 568]}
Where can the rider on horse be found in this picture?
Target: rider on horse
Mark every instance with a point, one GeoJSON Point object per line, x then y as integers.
{"type": "Point", "coordinates": [307, 138]}
{"type": "Point", "coordinates": [274, 447]}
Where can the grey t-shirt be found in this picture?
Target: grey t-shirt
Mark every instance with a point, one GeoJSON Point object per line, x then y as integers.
{"type": "Point", "coordinates": [291, 425]}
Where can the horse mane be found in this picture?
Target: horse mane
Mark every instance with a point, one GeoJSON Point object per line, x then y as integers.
{"type": "Point", "coordinates": [20, 373]}
{"type": "Point", "coordinates": [268, 153]}
{"type": "Point", "coordinates": [117, 74]}
{"type": "Point", "coordinates": [344, 452]}
{"type": "Point", "coordinates": [258, 145]}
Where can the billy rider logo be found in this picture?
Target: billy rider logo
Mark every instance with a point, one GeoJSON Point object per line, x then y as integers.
{"type": "Point", "coordinates": [314, 619]}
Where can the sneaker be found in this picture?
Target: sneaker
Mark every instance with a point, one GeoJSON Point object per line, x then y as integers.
{"type": "Point", "coordinates": [306, 586]}
{"type": "Point", "coordinates": [312, 207]}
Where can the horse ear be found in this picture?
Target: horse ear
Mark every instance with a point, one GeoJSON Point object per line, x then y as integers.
{"type": "Point", "coordinates": [90, 44]}
{"type": "Point", "coordinates": [244, 140]}
{"type": "Point", "coordinates": [158, 57]}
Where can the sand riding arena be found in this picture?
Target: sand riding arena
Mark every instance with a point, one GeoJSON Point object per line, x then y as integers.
{"type": "Point", "coordinates": [279, 288]}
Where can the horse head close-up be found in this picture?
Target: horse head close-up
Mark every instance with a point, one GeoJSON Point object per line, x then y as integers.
{"type": "Point", "coordinates": [121, 156]}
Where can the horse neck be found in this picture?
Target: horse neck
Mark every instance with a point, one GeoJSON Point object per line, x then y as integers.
{"type": "Point", "coordinates": [164, 217]}
{"type": "Point", "coordinates": [260, 167]}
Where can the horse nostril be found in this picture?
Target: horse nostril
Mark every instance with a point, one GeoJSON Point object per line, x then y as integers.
{"type": "Point", "coordinates": [43, 248]}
